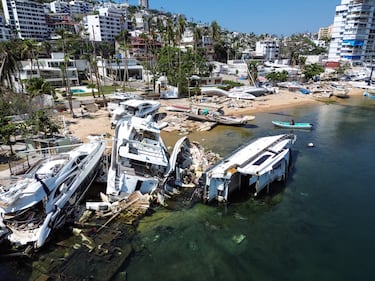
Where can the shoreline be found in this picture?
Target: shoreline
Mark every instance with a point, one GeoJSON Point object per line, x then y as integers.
{"type": "Point", "coordinates": [98, 123]}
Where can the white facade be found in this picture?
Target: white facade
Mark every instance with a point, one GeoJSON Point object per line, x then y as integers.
{"type": "Point", "coordinates": [353, 32]}
{"type": "Point", "coordinates": [105, 25]}
{"type": "Point", "coordinates": [72, 7]}
{"type": "Point", "coordinates": [4, 31]}
{"type": "Point", "coordinates": [143, 3]}
{"type": "Point", "coordinates": [27, 18]}
{"type": "Point", "coordinates": [268, 49]}
{"type": "Point", "coordinates": [50, 69]}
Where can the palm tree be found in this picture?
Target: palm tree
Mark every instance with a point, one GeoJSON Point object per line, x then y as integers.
{"type": "Point", "coordinates": [180, 32]}
{"type": "Point", "coordinates": [215, 31]}
{"type": "Point", "coordinates": [63, 36]}
{"type": "Point", "coordinates": [9, 62]}
{"type": "Point", "coordinates": [28, 48]}
{"type": "Point", "coordinates": [197, 36]}
{"type": "Point", "coordinates": [124, 39]}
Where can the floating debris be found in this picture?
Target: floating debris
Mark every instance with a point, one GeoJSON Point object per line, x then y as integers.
{"type": "Point", "coordinates": [238, 238]}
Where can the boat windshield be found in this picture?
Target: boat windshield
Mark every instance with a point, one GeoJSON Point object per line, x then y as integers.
{"type": "Point", "coordinates": [261, 159]}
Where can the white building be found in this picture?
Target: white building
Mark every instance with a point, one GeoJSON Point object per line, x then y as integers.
{"type": "Point", "coordinates": [353, 32]}
{"type": "Point", "coordinates": [268, 49]}
{"type": "Point", "coordinates": [4, 31]}
{"type": "Point", "coordinates": [50, 69]}
{"type": "Point", "coordinates": [105, 25]}
{"type": "Point", "coordinates": [27, 18]}
{"type": "Point", "coordinates": [72, 7]}
{"type": "Point", "coordinates": [143, 3]}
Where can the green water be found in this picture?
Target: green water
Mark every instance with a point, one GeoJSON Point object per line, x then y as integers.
{"type": "Point", "coordinates": [320, 226]}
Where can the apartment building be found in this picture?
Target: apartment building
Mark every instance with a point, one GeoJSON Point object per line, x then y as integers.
{"type": "Point", "coordinates": [324, 32]}
{"type": "Point", "coordinates": [71, 8]}
{"type": "Point", "coordinates": [353, 32]}
{"type": "Point", "coordinates": [143, 3]}
{"type": "Point", "coordinates": [104, 25]}
{"type": "Point", "coordinates": [267, 49]}
{"type": "Point", "coordinates": [27, 19]}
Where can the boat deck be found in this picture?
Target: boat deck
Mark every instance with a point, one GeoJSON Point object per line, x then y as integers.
{"type": "Point", "coordinates": [246, 154]}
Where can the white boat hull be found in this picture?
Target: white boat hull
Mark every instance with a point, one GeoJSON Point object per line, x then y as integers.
{"type": "Point", "coordinates": [257, 163]}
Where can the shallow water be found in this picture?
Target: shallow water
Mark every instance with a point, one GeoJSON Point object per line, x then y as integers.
{"type": "Point", "coordinates": [319, 226]}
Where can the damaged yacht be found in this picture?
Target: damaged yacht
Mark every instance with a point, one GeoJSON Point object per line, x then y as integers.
{"type": "Point", "coordinates": [256, 164]}
{"type": "Point", "coordinates": [140, 159]}
{"type": "Point", "coordinates": [40, 201]}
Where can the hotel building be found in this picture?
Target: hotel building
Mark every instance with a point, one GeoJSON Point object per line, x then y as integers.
{"type": "Point", "coordinates": [353, 32]}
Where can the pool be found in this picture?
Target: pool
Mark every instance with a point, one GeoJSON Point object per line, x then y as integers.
{"type": "Point", "coordinates": [77, 91]}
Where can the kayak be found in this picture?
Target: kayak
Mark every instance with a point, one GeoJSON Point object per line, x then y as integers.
{"type": "Point", "coordinates": [292, 125]}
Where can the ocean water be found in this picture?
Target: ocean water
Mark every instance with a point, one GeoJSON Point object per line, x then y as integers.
{"type": "Point", "coordinates": [318, 226]}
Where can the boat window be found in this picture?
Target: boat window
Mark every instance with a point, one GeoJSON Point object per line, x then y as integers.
{"type": "Point", "coordinates": [261, 159]}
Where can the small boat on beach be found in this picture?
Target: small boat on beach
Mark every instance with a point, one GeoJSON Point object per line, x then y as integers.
{"type": "Point", "coordinates": [206, 114]}
{"type": "Point", "coordinates": [292, 125]}
{"type": "Point", "coordinates": [39, 202]}
{"type": "Point", "coordinates": [256, 164]}
{"type": "Point", "coordinates": [220, 119]}
{"type": "Point", "coordinates": [134, 107]}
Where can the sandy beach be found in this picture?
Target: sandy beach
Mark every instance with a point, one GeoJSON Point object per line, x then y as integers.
{"type": "Point", "coordinates": [98, 123]}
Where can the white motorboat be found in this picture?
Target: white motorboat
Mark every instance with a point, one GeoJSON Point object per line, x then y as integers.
{"type": "Point", "coordinates": [255, 164]}
{"type": "Point", "coordinates": [140, 159]}
{"type": "Point", "coordinates": [42, 200]}
{"type": "Point", "coordinates": [117, 97]}
{"type": "Point", "coordinates": [247, 92]}
{"type": "Point", "coordinates": [134, 107]}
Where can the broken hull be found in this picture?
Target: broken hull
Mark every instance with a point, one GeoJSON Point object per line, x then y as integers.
{"type": "Point", "coordinates": [31, 223]}
{"type": "Point", "coordinates": [256, 164]}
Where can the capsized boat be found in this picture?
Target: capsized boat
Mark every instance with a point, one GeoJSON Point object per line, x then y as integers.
{"type": "Point", "coordinates": [134, 107]}
{"type": "Point", "coordinates": [256, 164]}
{"type": "Point", "coordinates": [292, 125]}
{"type": "Point", "coordinates": [140, 158]}
{"type": "Point", "coordinates": [42, 200]}
{"type": "Point", "coordinates": [217, 116]}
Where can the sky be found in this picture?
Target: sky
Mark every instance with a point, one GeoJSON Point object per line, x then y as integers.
{"type": "Point", "coordinates": [274, 17]}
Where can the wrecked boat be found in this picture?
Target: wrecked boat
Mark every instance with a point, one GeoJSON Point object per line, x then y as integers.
{"type": "Point", "coordinates": [140, 159]}
{"type": "Point", "coordinates": [134, 107]}
{"type": "Point", "coordinates": [256, 164]}
{"type": "Point", "coordinates": [42, 200]}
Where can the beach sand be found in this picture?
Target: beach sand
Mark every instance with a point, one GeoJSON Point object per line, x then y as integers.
{"type": "Point", "coordinates": [98, 123]}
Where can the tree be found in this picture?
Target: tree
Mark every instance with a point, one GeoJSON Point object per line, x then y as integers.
{"type": "Point", "coordinates": [63, 36]}
{"type": "Point", "coordinates": [7, 131]}
{"type": "Point", "coordinates": [312, 70]}
{"type": "Point", "coordinates": [38, 86]}
{"type": "Point", "coordinates": [197, 37]}
{"type": "Point", "coordinates": [215, 31]}
{"type": "Point", "coordinates": [9, 62]}
{"type": "Point", "coordinates": [41, 122]}
{"type": "Point", "coordinates": [180, 32]}
{"type": "Point", "coordinates": [124, 40]}
{"type": "Point", "coordinates": [28, 48]}
{"type": "Point", "coordinates": [278, 76]}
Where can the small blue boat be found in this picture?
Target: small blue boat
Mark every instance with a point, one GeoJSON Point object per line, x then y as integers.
{"type": "Point", "coordinates": [292, 125]}
{"type": "Point", "coordinates": [367, 94]}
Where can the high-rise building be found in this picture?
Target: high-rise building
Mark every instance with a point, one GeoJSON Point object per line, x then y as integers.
{"type": "Point", "coordinates": [143, 3]}
{"type": "Point", "coordinates": [353, 32]}
{"type": "Point", "coordinates": [104, 25]}
{"type": "Point", "coordinates": [27, 19]}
